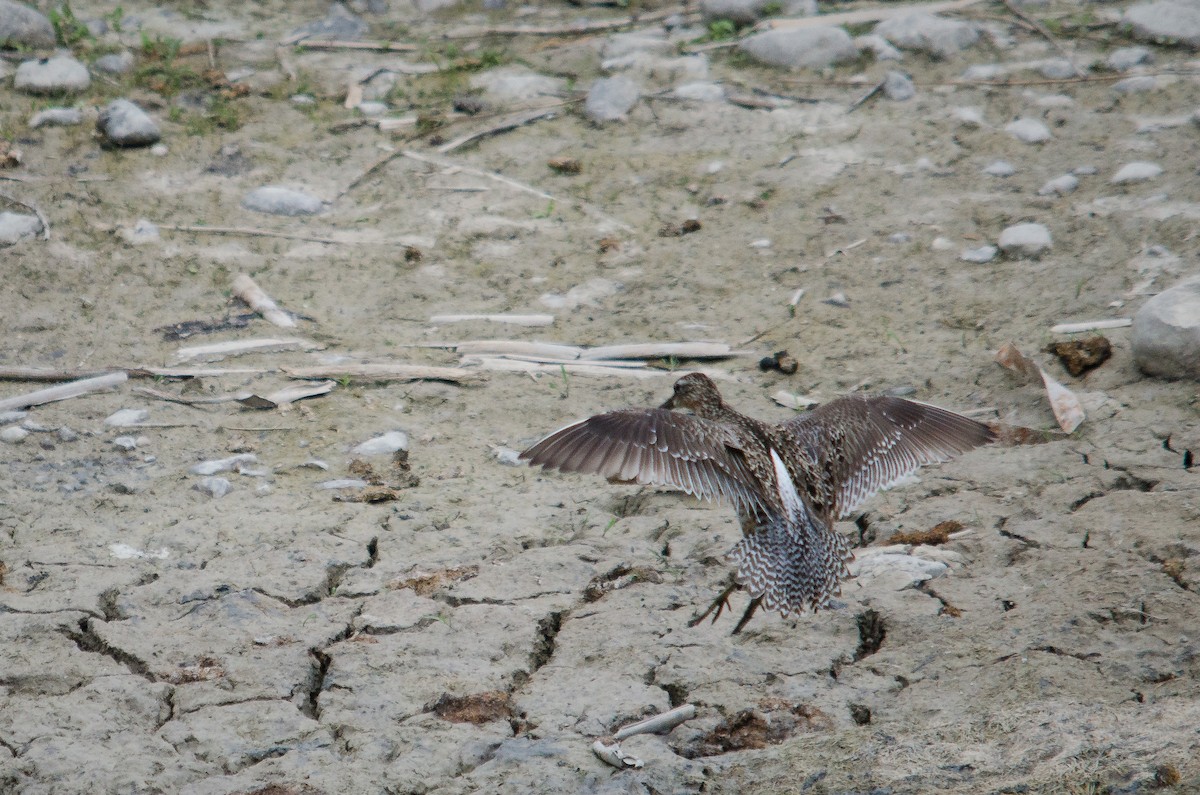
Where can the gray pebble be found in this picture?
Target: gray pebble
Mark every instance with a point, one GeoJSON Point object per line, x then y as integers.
{"type": "Point", "coordinates": [1125, 58]}
{"type": "Point", "coordinates": [937, 36]}
{"type": "Point", "coordinates": [214, 487]}
{"type": "Point", "coordinates": [126, 418]}
{"type": "Point", "coordinates": [898, 86]}
{"type": "Point", "coordinates": [1000, 168]}
{"type": "Point", "coordinates": [302, 99]}
{"type": "Point", "coordinates": [14, 415]}
{"type": "Point", "coordinates": [66, 434]}
{"type": "Point", "coordinates": [22, 26]}
{"type": "Point", "coordinates": [17, 226]}
{"type": "Point", "coordinates": [1166, 332]}
{"type": "Point", "coordinates": [700, 92]}
{"type": "Point", "coordinates": [610, 98]}
{"type": "Point", "coordinates": [277, 200]}
{"type": "Point", "coordinates": [1057, 69]}
{"type": "Point", "coordinates": [213, 466]}
{"type": "Point", "coordinates": [899, 237]}
{"type": "Point", "coordinates": [141, 233]}
{"type": "Point", "coordinates": [1025, 240]}
{"type": "Point", "coordinates": [979, 255]}
{"type": "Point", "coordinates": [747, 12]}
{"type": "Point", "coordinates": [384, 444]}
{"type": "Point", "coordinates": [1029, 131]}
{"type": "Point", "coordinates": [125, 442]}
{"type": "Point", "coordinates": [115, 63]}
{"type": "Point", "coordinates": [14, 434]}
{"type": "Point", "coordinates": [622, 44]}
{"type": "Point", "coordinates": [516, 84]}
{"type": "Point", "coordinates": [1136, 85]}
{"type": "Point", "coordinates": [56, 117]}
{"type": "Point", "coordinates": [1136, 172]}
{"type": "Point", "coordinates": [1060, 186]}
{"type": "Point", "coordinates": [372, 108]}
{"type": "Point", "coordinates": [1167, 20]}
{"type": "Point", "coordinates": [984, 71]}
{"type": "Point", "coordinates": [508, 456]}
{"type": "Point", "coordinates": [878, 46]}
{"type": "Point", "coordinates": [343, 483]}
{"type": "Point", "coordinates": [125, 124]}
{"type": "Point", "coordinates": [801, 48]}
{"type": "Point", "coordinates": [57, 75]}
{"type": "Point", "coordinates": [968, 116]}
{"type": "Point", "coordinates": [339, 23]}
{"type": "Point", "coordinates": [1085, 171]}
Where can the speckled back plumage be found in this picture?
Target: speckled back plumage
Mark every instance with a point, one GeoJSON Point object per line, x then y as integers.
{"type": "Point", "coordinates": [788, 483]}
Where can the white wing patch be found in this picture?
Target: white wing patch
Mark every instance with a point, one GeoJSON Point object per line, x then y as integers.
{"type": "Point", "coordinates": [788, 495]}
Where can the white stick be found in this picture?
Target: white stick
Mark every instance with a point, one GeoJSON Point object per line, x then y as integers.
{"type": "Point", "coordinates": [662, 350]}
{"type": "Point", "coordinates": [1091, 325]}
{"type": "Point", "coordinates": [64, 391]}
{"type": "Point", "coordinates": [512, 320]}
{"type": "Point", "coordinates": [246, 289]}
{"type": "Point", "coordinates": [611, 754]}
{"type": "Point", "coordinates": [238, 347]}
{"type": "Point", "coordinates": [517, 348]}
{"type": "Point", "coordinates": [659, 723]}
{"type": "Point", "coordinates": [379, 372]}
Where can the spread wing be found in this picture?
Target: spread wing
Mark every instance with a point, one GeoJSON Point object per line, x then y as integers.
{"type": "Point", "coordinates": [655, 447]}
{"type": "Point", "coordinates": [864, 444]}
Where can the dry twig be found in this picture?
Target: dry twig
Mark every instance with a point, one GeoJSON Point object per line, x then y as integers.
{"type": "Point", "coordinates": [36, 212]}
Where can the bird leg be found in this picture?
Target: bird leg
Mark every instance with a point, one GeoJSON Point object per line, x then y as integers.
{"type": "Point", "coordinates": [754, 603]}
{"type": "Point", "coordinates": [719, 604]}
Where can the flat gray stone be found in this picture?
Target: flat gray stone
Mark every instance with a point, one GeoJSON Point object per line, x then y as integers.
{"type": "Point", "coordinates": [1136, 172]}
{"type": "Point", "coordinates": [610, 98]}
{"type": "Point", "coordinates": [1025, 240]}
{"type": "Point", "coordinates": [1028, 131]}
{"type": "Point", "coordinates": [1166, 332]}
{"type": "Point", "coordinates": [511, 84]}
{"type": "Point", "coordinates": [1000, 168]}
{"type": "Point", "coordinates": [898, 86]}
{"type": "Point", "coordinates": [384, 444]}
{"type": "Point", "coordinates": [278, 200]}
{"type": "Point", "coordinates": [622, 44]}
{"type": "Point", "coordinates": [125, 124]}
{"type": "Point", "coordinates": [338, 24]}
{"type": "Point", "coordinates": [937, 36]}
{"type": "Point", "coordinates": [56, 117]}
{"type": "Point", "coordinates": [747, 12]}
{"type": "Point", "coordinates": [1125, 58]}
{"type": "Point", "coordinates": [700, 92]}
{"type": "Point", "coordinates": [981, 255]}
{"type": "Point", "coordinates": [22, 26]}
{"type": "Point", "coordinates": [61, 74]}
{"type": "Point", "coordinates": [15, 227]}
{"type": "Point", "coordinates": [1057, 69]}
{"type": "Point", "coordinates": [1136, 85]}
{"type": "Point", "coordinates": [801, 48]}
{"type": "Point", "coordinates": [115, 63]}
{"type": "Point", "coordinates": [1165, 21]}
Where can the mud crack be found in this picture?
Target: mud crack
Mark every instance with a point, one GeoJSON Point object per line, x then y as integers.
{"type": "Point", "coordinates": [89, 641]}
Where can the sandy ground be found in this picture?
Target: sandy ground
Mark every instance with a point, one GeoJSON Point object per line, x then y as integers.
{"type": "Point", "coordinates": [477, 633]}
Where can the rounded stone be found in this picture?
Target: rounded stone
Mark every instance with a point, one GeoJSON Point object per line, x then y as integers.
{"type": "Point", "coordinates": [277, 200]}
{"type": "Point", "coordinates": [22, 26]}
{"type": "Point", "coordinates": [801, 48]}
{"type": "Point", "coordinates": [1029, 131]}
{"type": "Point", "coordinates": [1166, 332]}
{"type": "Point", "coordinates": [937, 36]}
{"type": "Point", "coordinates": [17, 226]}
{"type": "Point", "coordinates": [1136, 172]}
{"type": "Point", "coordinates": [1025, 240]}
{"type": "Point", "coordinates": [125, 124]}
{"type": "Point", "coordinates": [58, 75]}
{"type": "Point", "coordinates": [610, 98]}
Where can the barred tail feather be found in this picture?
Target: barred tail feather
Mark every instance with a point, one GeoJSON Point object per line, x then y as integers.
{"type": "Point", "coordinates": [791, 569]}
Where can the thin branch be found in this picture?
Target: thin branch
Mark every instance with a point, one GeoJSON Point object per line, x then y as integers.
{"type": "Point", "coordinates": [583, 29]}
{"type": "Point", "coordinates": [383, 46]}
{"type": "Point", "coordinates": [509, 123]}
{"type": "Point", "coordinates": [249, 231]}
{"type": "Point", "coordinates": [1045, 33]}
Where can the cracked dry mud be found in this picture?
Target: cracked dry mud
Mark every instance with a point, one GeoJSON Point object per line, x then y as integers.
{"type": "Point", "coordinates": [479, 633]}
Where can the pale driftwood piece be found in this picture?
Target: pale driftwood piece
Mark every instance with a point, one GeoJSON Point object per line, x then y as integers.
{"type": "Point", "coordinates": [41, 218]}
{"type": "Point", "coordinates": [512, 320]}
{"type": "Point", "coordinates": [663, 350]}
{"type": "Point", "coordinates": [186, 401]}
{"type": "Point", "coordinates": [504, 125]}
{"type": "Point", "coordinates": [635, 364]}
{"type": "Point", "coordinates": [512, 183]}
{"type": "Point", "coordinates": [518, 348]}
{"type": "Point", "coordinates": [64, 391]}
{"type": "Point", "coordinates": [1091, 325]}
{"type": "Point", "coordinates": [791, 400]}
{"type": "Point", "coordinates": [281, 398]}
{"type": "Point", "coordinates": [581, 29]}
{"type": "Point", "coordinates": [659, 723]}
{"type": "Point", "coordinates": [1068, 411]}
{"type": "Point", "coordinates": [246, 289]}
{"type": "Point", "coordinates": [398, 123]}
{"type": "Point", "coordinates": [609, 752]}
{"type": "Point", "coordinates": [239, 347]}
{"type": "Point", "coordinates": [43, 375]}
{"type": "Point", "coordinates": [249, 232]}
{"type": "Point", "coordinates": [197, 372]}
{"type": "Point", "coordinates": [381, 46]}
{"type": "Point", "coordinates": [518, 365]}
{"type": "Point", "coordinates": [383, 371]}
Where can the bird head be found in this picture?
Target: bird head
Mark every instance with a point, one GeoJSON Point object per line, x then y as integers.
{"type": "Point", "coordinates": [697, 392]}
